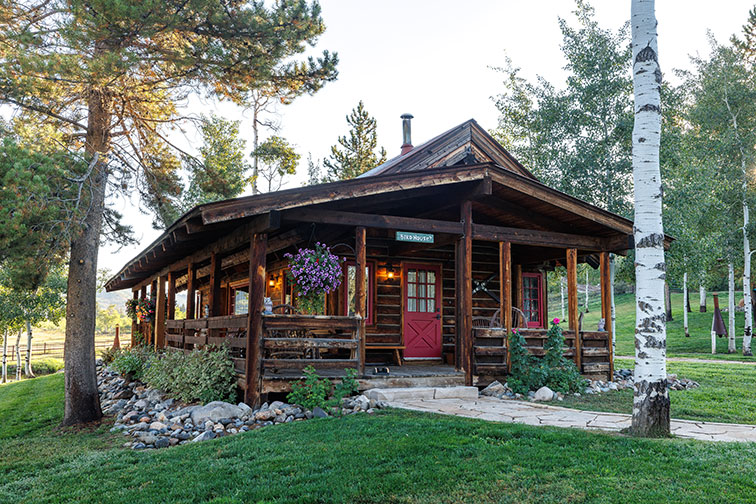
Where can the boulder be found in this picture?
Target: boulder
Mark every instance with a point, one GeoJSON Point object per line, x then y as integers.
{"type": "Point", "coordinates": [214, 411]}
{"type": "Point", "coordinates": [162, 443]}
{"type": "Point", "coordinates": [544, 394]}
{"type": "Point", "coordinates": [494, 389]}
{"type": "Point", "coordinates": [318, 412]}
{"type": "Point", "coordinates": [158, 426]}
{"type": "Point", "coordinates": [204, 436]}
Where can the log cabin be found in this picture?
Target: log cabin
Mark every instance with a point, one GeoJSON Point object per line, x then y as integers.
{"type": "Point", "coordinates": [446, 251]}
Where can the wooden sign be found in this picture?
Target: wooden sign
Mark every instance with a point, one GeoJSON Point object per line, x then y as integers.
{"type": "Point", "coordinates": [407, 236]}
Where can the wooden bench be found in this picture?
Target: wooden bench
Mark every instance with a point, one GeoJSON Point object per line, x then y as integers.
{"type": "Point", "coordinates": [387, 346]}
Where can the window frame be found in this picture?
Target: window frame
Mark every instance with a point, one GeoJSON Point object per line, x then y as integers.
{"type": "Point", "coordinates": [370, 292]}
{"type": "Point", "coordinates": [539, 299]}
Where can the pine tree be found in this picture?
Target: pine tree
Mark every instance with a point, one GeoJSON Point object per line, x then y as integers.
{"type": "Point", "coordinates": [355, 153]}
{"type": "Point", "coordinates": [278, 159]}
{"type": "Point", "coordinates": [111, 76]}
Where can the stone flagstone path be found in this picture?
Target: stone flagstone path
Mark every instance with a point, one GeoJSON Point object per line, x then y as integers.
{"type": "Point", "coordinates": [496, 410]}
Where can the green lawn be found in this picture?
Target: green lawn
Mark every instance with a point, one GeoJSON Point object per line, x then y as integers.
{"type": "Point", "coordinates": [388, 457]}
{"type": "Point", "coordinates": [699, 325]}
{"type": "Point", "coordinates": [726, 394]}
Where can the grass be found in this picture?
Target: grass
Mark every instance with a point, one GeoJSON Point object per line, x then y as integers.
{"type": "Point", "coordinates": [699, 326]}
{"type": "Point", "coordinates": [392, 456]}
{"type": "Point", "coordinates": [726, 394]}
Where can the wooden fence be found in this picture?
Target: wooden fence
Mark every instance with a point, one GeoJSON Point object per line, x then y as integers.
{"type": "Point", "coordinates": [53, 350]}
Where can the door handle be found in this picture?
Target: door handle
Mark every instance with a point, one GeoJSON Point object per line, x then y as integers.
{"type": "Point", "coordinates": [438, 316]}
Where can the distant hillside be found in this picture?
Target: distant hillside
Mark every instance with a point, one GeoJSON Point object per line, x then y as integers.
{"type": "Point", "coordinates": [117, 298]}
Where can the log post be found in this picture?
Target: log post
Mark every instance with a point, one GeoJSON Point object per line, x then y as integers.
{"type": "Point", "coordinates": [505, 293]}
{"type": "Point", "coordinates": [171, 296]}
{"type": "Point", "coordinates": [134, 323]}
{"type": "Point", "coordinates": [190, 295]}
{"type": "Point", "coordinates": [360, 307]}
{"type": "Point", "coordinates": [144, 325]}
{"type": "Point", "coordinates": [606, 304]}
{"type": "Point", "coordinates": [465, 292]}
{"type": "Point", "coordinates": [214, 303]}
{"type": "Point", "coordinates": [572, 303]}
{"type": "Point", "coordinates": [160, 312]}
{"type": "Point", "coordinates": [257, 264]}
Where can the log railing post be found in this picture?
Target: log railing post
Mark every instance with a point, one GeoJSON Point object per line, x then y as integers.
{"type": "Point", "coordinates": [572, 304]}
{"type": "Point", "coordinates": [160, 312]}
{"type": "Point", "coordinates": [606, 304]}
{"type": "Point", "coordinates": [505, 293]}
{"type": "Point", "coordinates": [257, 263]}
{"type": "Point", "coordinates": [465, 293]}
{"type": "Point", "coordinates": [360, 308]}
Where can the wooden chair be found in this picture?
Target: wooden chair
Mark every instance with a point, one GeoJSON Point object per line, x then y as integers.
{"type": "Point", "coordinates": [518, 319]}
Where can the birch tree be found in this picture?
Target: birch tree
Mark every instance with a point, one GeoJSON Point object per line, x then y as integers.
{"type": "Point", "coordinates": [723, 119]}
{"type": "Point", "coordinates": [651, 399]}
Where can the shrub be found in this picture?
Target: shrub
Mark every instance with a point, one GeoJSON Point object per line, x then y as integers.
{"type": "Point", "coordinates": [553, 370]}
{"type": "Point", "coordinates": [314, 391]}
{"type": "Point", "coordinates": [108, 354]}
{"type": "Point", "coordinates": [132, 363]}
{"type": "Point", "coordinates": [203, 375]}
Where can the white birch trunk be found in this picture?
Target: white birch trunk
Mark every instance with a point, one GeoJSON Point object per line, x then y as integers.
{"type": "Point", "coordinates": [614, 316]}
{"type": "Point", "coordinates": [586, 291]}
{"type": "Point", "coordinates": [685, 304]}
{"type": "Point", "coordinates": [18, 355]}
{"type": "Point", "coordinates": [4, 377]}
{"type": "Point", "coordinates": [713, 337]}
{"type": "Point", "coordinates": [702, 298]}
{"type": "Point", "coordinates": [561, 293]}
{"type": "Point", "coordinates": [748, 329]}
{"type": "Point", "coordinates": [651, 398]}
{"type": "Point", "coordinates": [731, 348]}
{"type": "Point", "coordinates": [27, 366]}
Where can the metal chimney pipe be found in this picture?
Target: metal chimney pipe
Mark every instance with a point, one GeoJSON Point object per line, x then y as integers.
{"type": "Point", "coordinates": [406, 133]}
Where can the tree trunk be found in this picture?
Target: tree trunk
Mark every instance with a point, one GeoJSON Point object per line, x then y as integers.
{"type": "Point", "coordinates": [4, 377]}
{"type": "Point", "coordinates": [651, 399]}
{"type": "Point", "coordinates": [686, 304]}
{"type": "Point", "coordinates": [82, 401]}
{"type": "Point", "coordinates": [701, 298]}
{"type": "Point", "coordinates": [561, 293]}
{"type": "Point", "coordinates": [731, 348]}
{"type": "Point", "coordinates": [668, 302]}
{"type": "Point", "coordinates": [18, 354]}
{"type": "Point", "coordinates": [255, 142]}
{"type": "Point", "coordinates": [586, 291]}
{"type": "Point", "coordinates": [27, 366]}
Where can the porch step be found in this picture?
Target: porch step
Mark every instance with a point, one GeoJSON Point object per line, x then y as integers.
{"type": "Point", "coordinates": [415, 393]}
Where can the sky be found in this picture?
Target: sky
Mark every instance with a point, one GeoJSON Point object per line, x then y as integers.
{"type": "Point", "coordinates": [433, 59]}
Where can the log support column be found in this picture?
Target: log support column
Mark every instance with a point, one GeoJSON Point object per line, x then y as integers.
{"type": "Point", "coordinates": [171, 296]}
{"type": "Point", "coordinates": [190, 294]}
{"type": "Point", "coordinates": [134, 323]}
{"type": "Point", "coordinates": [465, 292]}
{"type": "Point", "coordinates": [160, 312]}
{"type": "Point", "coordinates": [606, 304]}
{"type": "Point", "coordinates": [214, 303]}
{"type": "Point", "coordinates": [360, 308]}
{"type": "Point", "coordinates": [572, 304]}
{"type": "Point", "coordinates": [505, 293]}
{"type": "Point", "coordinates": [257, 264]}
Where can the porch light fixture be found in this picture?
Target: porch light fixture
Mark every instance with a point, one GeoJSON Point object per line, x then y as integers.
{"type": "Point", "coordinates": [389, 271]}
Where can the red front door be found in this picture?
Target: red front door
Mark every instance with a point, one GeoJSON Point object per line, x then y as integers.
{"type": "Point", "coordinates": [422, 311]}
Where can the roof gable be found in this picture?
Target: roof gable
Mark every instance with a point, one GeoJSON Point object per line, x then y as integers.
{"type": "Point", "coordinates": [465, 144]}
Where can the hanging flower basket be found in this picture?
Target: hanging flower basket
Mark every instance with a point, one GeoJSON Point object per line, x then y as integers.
{"type": "Point", "coordinates": [315, 273]}
{"type": "Point", "coordinates": [142, 309]}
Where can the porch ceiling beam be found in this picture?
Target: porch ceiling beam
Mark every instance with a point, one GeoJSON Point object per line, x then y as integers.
{"type": "Point", "coordinates": [480, 231]}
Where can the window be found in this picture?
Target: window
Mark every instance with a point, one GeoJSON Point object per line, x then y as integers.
{"type": "Point", "coordinates": [240, 299]}
{"type": "Point", "coordinates": [421, 290]}
{"type": "Point", "coordinates": [350, 292]}
{"type": "Point", "coordinates": [532, 299]}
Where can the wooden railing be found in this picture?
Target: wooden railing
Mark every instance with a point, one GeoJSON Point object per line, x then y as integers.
{"type": "Point", "coordinates": [292, 342]}
{"type": "Point", "coordinates": [195, 333]}
{"type": "Point", "coordinates": [490, 350]}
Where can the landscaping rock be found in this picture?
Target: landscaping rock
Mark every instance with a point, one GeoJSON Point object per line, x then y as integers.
{"type": "Point", "coordinates": [318, 412]}
{"type": "Point", "coordinates": [163, 443]}
{"type": "Point", "coordinates": [544, 394]}
{"type": "Point", "coordinates": [214, 411]}
{"type": "Point", "coordinates": [204, 436]}
{"type": "Point", "coordinates": [494, 389]}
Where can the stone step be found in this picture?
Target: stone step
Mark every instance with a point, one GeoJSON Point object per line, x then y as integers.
{"type": "Point", "coordinates": [420, 393]}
